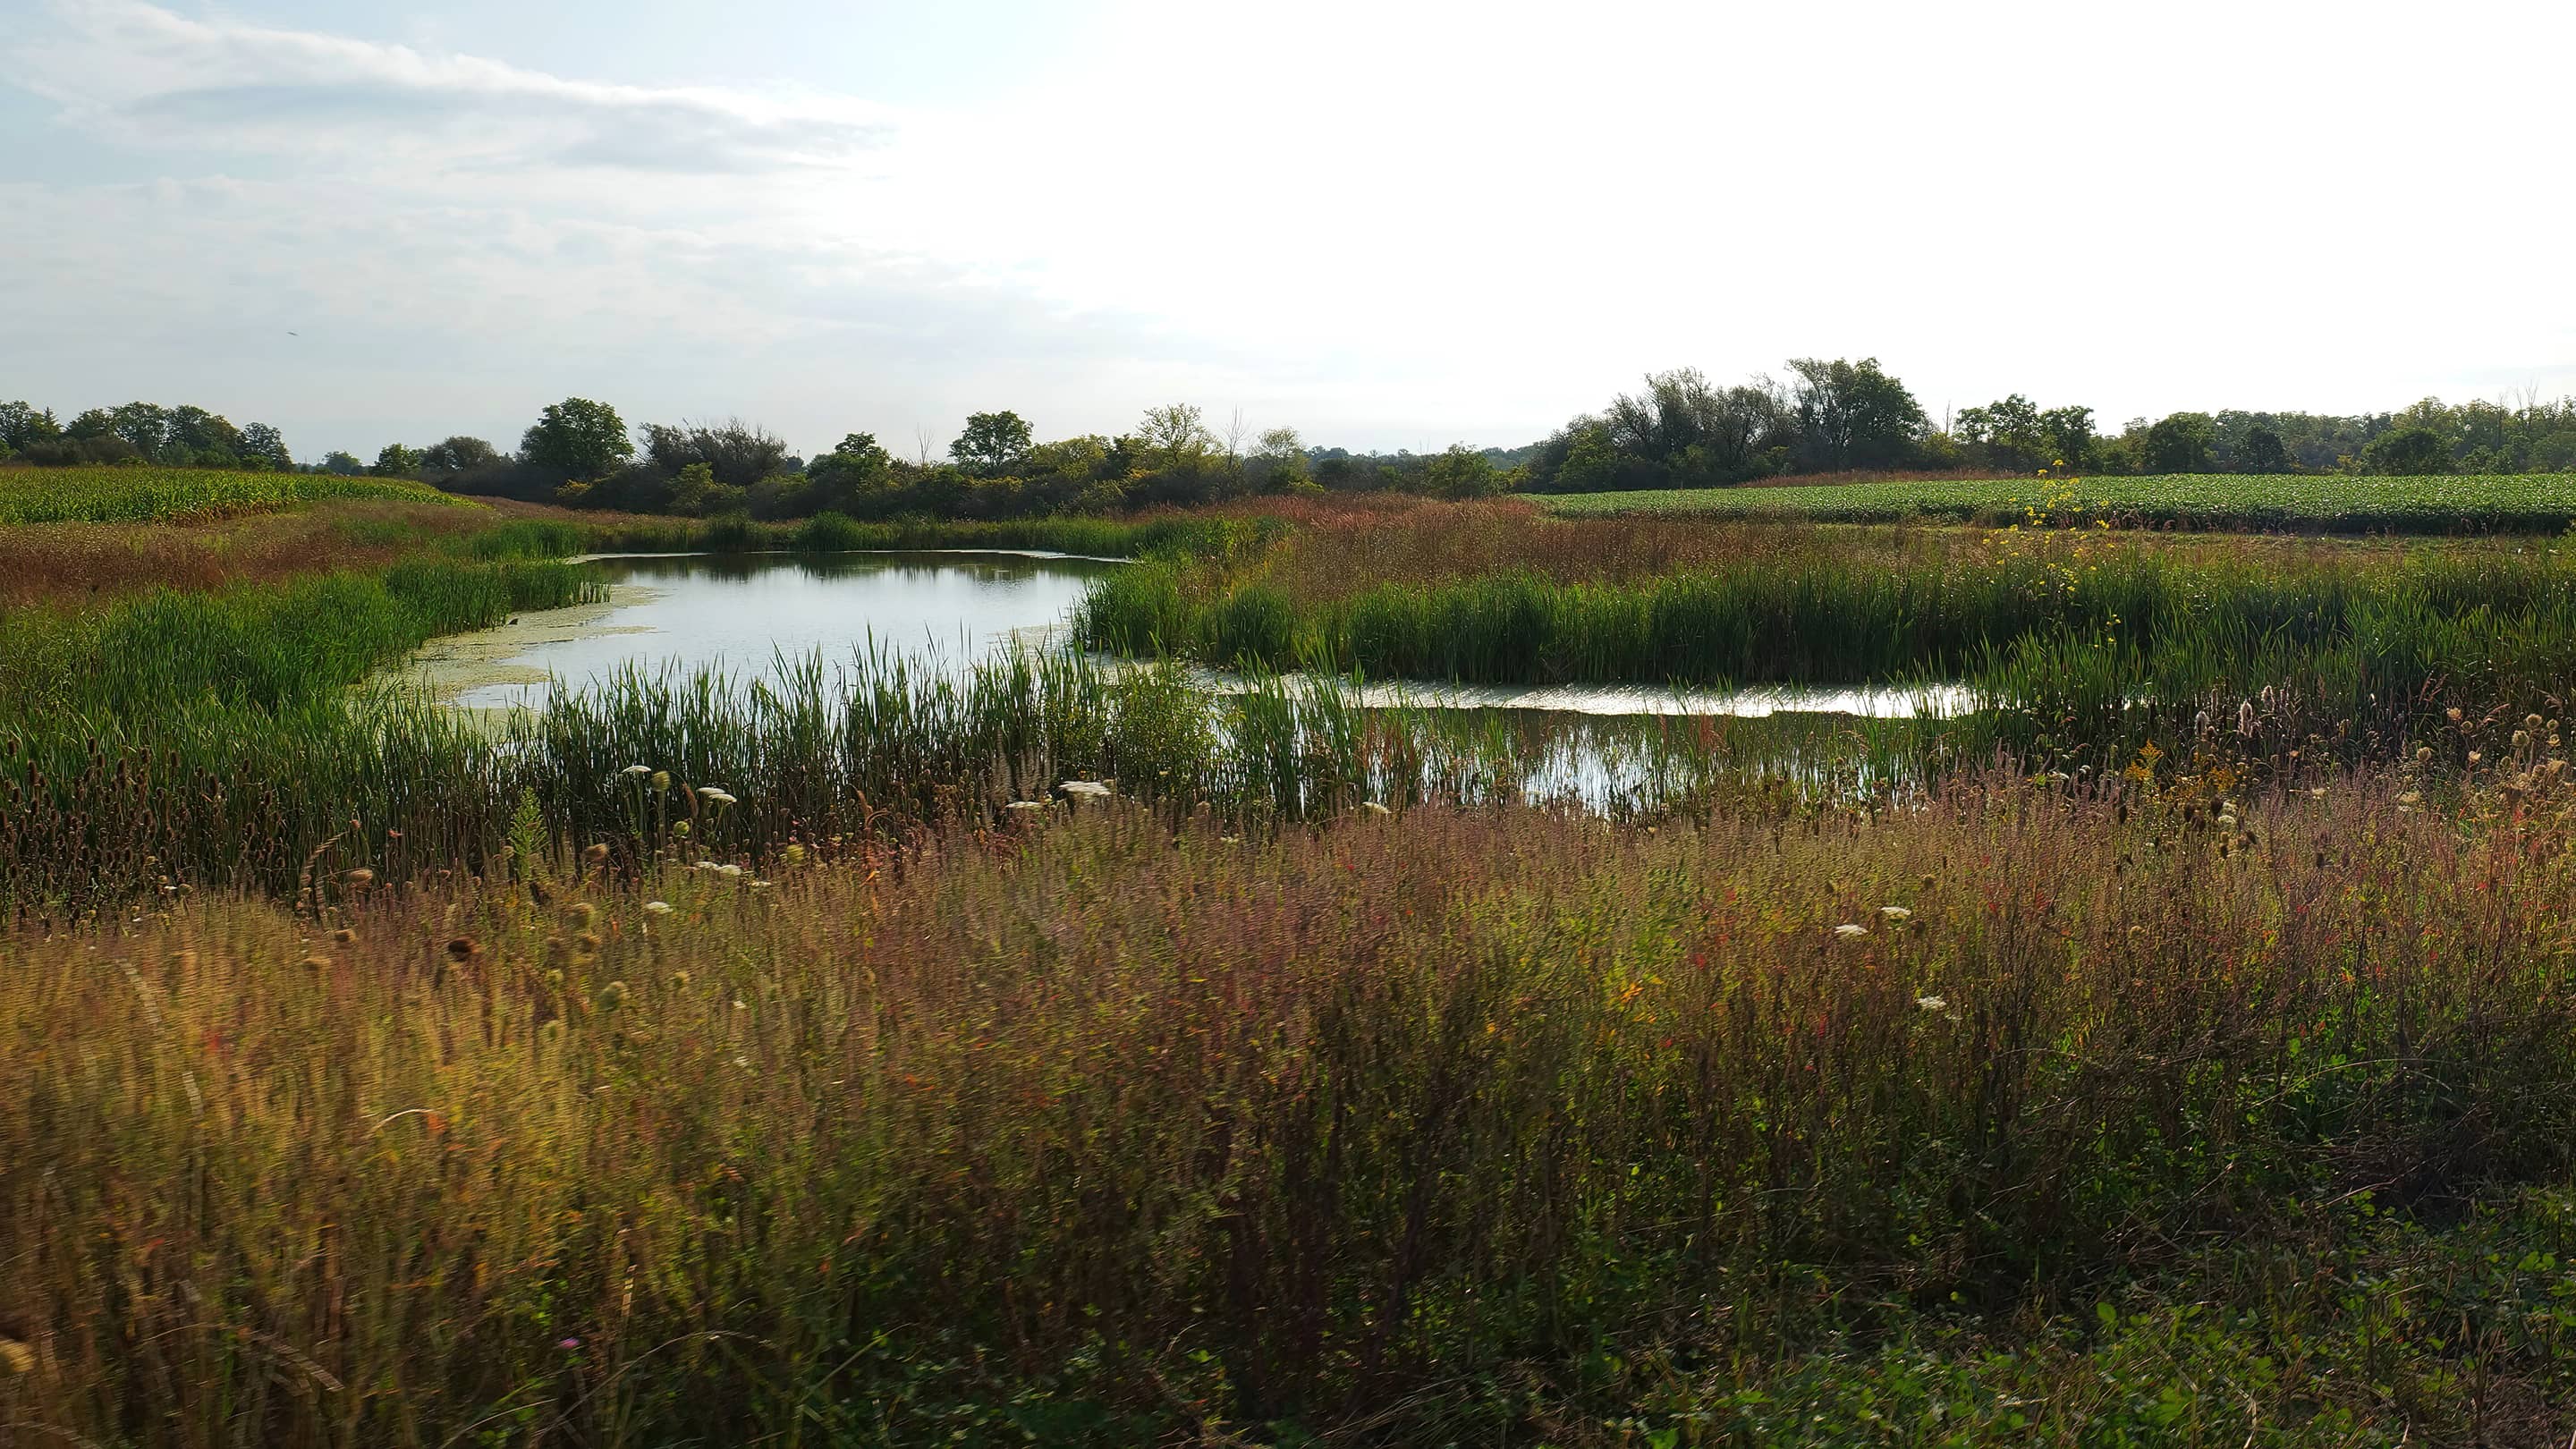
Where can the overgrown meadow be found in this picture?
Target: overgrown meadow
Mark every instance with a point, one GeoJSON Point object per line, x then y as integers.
{"type": "Point", "coordinates": [2180, 1048]}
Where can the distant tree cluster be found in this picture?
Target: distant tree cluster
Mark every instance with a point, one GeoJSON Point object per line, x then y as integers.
{"type": "Point", "coordinates": [1683, 431]}
{"type": "Point", "coordinates": [2430, 438]}
{"type": "Point", "coordinates": [581, 454]}
{"type": "Point", "coordinates": [139, 432]}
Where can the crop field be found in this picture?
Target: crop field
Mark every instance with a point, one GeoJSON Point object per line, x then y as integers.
{"type": "Point", "coordinates": [163, 495]}
{"type": "Point", "coordinates": [2535, 503]}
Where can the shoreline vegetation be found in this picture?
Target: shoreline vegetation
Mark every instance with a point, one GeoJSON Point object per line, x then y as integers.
{"type": "Point", "coordinates": [2180, 1048]}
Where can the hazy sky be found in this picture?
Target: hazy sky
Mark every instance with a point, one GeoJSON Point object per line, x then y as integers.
{"type": "Point", "coordinates": [1385, 223]}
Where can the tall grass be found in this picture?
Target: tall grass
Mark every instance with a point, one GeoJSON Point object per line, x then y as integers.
{"type": "Point", "coordinates": [2037, 624]}
{"type": "Point", "coordinates": [1081, 1129]}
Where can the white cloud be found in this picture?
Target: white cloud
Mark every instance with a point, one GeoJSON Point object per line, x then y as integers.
{"type": "Point", "coordinates": [146, 76]}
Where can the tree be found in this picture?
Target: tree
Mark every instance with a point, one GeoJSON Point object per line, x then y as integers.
{"type": "Point", "coordinates": [1279, 459]}
{"type": "Point", "coordinates": [737, 453]}
{"type": "Point", "coordinates": [265, 447]}
{"type": "Point", "coordinates": [578, 439]}
{"type": "Point", "coordinates": [344, 464]}
{"type": "Point", "coordinates": [2180, 443]}
{"type": "Point", "coordinates": [2262, 452]}
{"type": "Point", "coordinates": [396, 461]}
{"type": "Point", "coordinates": [1853, 415]}
{"type": "Point", "coordinates": [459, 454]}
{"type": "Point", "coordinates": [144, 425]}
{"type": "Point", "coordinates": [2010, 434]}
{"type": "Point", "coordinates": [1462, 472]}
{"type": "Point", "coordinates": [850, 476]}
{"type": "Point", "coordinates": [22, 425]}
{"type": "Point", "coordinates": [994, 444]}
{"type": "Point", "coordinates": [198, 436]}
{"type": "Point", "coordinates": [1175, 437]}
{"type": "Point", "coordinates": [2412, 451]}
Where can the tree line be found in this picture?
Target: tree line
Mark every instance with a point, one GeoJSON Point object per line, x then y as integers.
{"type": "Point", "coordinates": [1683, 431]}
{"type": "Point", "coordinates": [1679, 430]}
{"type": "Point", "coordinates": [140, 432]}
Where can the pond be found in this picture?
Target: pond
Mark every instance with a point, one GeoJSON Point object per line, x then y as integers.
{"type": "Point", "coordinates": [748, 614]}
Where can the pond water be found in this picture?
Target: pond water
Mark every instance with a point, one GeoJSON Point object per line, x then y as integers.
{"type": "Point", "coordinates": [749, 614]}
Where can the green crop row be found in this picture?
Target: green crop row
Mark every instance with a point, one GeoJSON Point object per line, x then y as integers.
{"type": "Point", "coordinates": [166, 495]}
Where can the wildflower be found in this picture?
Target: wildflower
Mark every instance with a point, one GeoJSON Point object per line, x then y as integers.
{"type": "Point", "coordinates": [1374, 808]}
{"type": "Point", "coordinates": [17, 1357]}
{"type": "Point", "coordinates": [557, 947]}
{"type": "Point", "coordinates": [741, 1005]}
{"type": "Point", "coordinates": [2423, 754]}
{"type": "Point", "coordinates": [639, 770]}
{"type": "Point", "coordinates": [585, 944]}
{"type": "Point", "coordinates": [2227, 822]}
{"type": "Point", "coordinates": [594, 854]}
{"type": "Point", "coordinates": [679, 827]}
{"type": "Point", "coordinates": [2475, 756]}
{"type": "Point", "coordinates": [2411, 797]}
{"type": "Point", "coordinates": [2317, 793]}
{"type": "Point", "coordinates": [661, 779]}
{"type": "Point", "coordinates": [1932, 1003]}
{"type": "Point", "coordinates": [714, 796]}
{"type": "Point", "coordinates": [679, 980]}
{"type": "Point", "coordinates": [729, 872]}
{"type": "Point", "coordinates": [795, 855]}
{"type": "Point", "coordinates": [657, 908]}
{"type": "Point", "coordinates": [317, 963]}
{"type": "Point", "coordinates": [1849, 932]}
{"type": "Point", "coordinates": [1897, 913]}
{"type": "Point", "coordinates": [760, 885]}
{"type": "Point", "coordinates": [1092, 789]}
{"type": "Point", "coordinates": [360, 877]}
{"type": "Point", "coordinates": [2521, 738]}
{"type": "Point", "coordinates": [2532, 721]}
{"type": "Point", "coordinates": [612, 996]}
{"type": "Point", "coordinates": [2245, 718]}
{"type": "Point", "coordinates": [2452, 714]}
{"type": "Point", "coordinates": [706, 865]}
{"type": "Point", "coordinates": [345, 936]}
{"type": "Point", "coordinates": [1026, 805]}
{"type": "Point", "coordinates": [742, 1061]}
{"type": "Point", "coordinates": [582, 913]}
{"type": "Point", "coordinates": [568, 1343]}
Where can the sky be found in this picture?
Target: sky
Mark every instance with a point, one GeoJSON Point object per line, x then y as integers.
{"type": "Point", "coordinates": [1386, 223]}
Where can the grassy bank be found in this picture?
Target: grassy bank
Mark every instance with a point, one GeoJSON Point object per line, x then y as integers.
{"type": "Point", "coordinates": [185, 495]}
{"type": "Point", "coordinates": [2532, 503]}
{"type": "Point", "coordinates": [2069, 630]}
{"type": "Point", "coordinates": [1166, 534]}
{"type": "Point", "coordinates": [2114, 1117]}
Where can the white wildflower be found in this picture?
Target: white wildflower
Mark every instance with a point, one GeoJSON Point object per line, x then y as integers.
{"type": "Point", "coordinates": [639, 771]}
{"type": "Point", "coordinates": [1933, 1003]}
{"type": "Point", "coordinates": [657, 908]}
{"type": "Point", "coordinates": [1374, 808]}
{"type": "Point", "coordinates": [1092, 789]}
{"type": "Point", "coordinates": [1849, 932]}
{"type": "Point", "coordinates": [730, 872]}
{"type": "Point", "coordinates": [1897, 913]}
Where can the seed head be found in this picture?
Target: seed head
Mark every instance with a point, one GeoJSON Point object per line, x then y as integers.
{"type": "Point", "coordinates": [317, 963]}
{"type": "Point", "coordinates": [463, 948]}
{"type": "Point", "coordinates": [612, 996]}
{"type": "Point", "coordinates": [345, 936]}
{"type": "Point", "coordinates": [661, 779]}
{"type": "Point", "coordinates": [595, 854]}
{"type": "Point", "coordinates": [359, 877]}
{"type": "Point", "coordinates": [586, 944]}
{"type": "Point", "coordinates": [581, 913]}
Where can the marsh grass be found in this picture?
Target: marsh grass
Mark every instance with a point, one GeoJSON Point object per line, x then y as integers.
{"type": "Point", "coordinates": [1450, 1125]}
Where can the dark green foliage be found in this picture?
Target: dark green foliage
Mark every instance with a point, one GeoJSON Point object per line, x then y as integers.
{"type": "Point", "coordinates": [577, 439]}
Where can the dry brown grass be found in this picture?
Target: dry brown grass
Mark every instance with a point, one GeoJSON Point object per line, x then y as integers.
{"type": "Point", "coordinates": [1213, 1131]}
{"type": "Point", "coordinates": [73, 562]}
